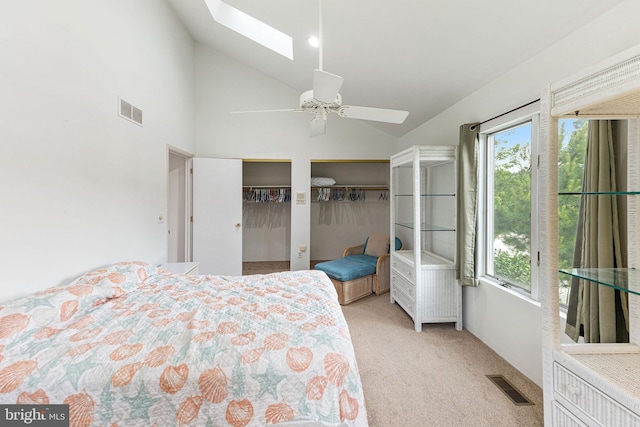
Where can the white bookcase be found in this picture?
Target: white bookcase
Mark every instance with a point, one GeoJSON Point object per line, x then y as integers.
{"type": "Point", "coordinates": [590, 384]}
{"type": "Point", "coordinates": [423, 216]}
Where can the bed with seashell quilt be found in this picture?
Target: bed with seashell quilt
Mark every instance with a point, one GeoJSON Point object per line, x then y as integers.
{"type": "Point", "coordinates": [132, 345]}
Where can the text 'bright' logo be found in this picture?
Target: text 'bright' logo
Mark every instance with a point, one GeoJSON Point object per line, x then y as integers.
{"type": "Point", "coordinates": [35, 415]}
{"type": "Point", "coordinates": [27, 416]}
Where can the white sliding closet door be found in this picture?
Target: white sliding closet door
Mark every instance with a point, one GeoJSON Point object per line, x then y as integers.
{"type": "Point", "coordinates": [217, 215]}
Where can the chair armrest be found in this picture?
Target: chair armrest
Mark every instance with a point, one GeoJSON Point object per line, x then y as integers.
{"type": "Point", "coordinates": [383, 274]}
{"type": "Point", "coordinates": [353, 250]}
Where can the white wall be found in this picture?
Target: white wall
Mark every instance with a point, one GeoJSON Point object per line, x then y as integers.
{"type": "Point", "coordinates": [510, 324]}
{"type": "Point", "coordinates": [79, 186]}
{"type": "Point", "coordinates": [223, 85]}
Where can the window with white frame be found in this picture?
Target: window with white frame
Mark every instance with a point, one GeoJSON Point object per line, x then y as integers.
{"type": "Point", "coordinates": [508, 194]}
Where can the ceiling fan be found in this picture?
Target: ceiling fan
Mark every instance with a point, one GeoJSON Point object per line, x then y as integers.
{"type": "Point", "coordinates": [325, 98]}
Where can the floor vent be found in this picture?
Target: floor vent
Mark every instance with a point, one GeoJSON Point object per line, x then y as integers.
{"type": "Point", "coordinates": [507, 388]}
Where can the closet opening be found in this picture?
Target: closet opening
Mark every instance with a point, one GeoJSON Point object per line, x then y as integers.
{"type": "Point", "coordinates": [266, 212]}
{"type": "Point", "coordinates": [349, 199]}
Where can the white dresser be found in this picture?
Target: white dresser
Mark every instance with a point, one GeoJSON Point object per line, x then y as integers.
{"type": "Point", "coordinates": [439, 299]}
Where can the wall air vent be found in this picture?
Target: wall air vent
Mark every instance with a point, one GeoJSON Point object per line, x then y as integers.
{"type": "Point", "coordinates": [130, 112]}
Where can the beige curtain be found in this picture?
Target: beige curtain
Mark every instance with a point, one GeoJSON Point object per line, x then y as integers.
{"type": "Point", "coordinates": [467, 203]}
{"type": "Point", "coordinates": [598, 313]}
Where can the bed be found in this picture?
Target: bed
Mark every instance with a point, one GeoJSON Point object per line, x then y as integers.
{"type": "Point", "coordinates": [130, 345]}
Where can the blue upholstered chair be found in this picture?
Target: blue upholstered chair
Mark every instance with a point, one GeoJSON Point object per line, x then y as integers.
{"type": "Point", "coordinates": [358, 273]}
{"type": "Point", "coordinates": [382, 277]}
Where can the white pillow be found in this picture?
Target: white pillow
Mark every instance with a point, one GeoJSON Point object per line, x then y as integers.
{"type": "Point", "coordinates": [322, 181]}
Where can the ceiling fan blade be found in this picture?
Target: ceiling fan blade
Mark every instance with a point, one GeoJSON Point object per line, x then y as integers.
{"type": "Point", "coordinates": [318, 125]}
{"type": "Point", "coordinates": [375, 114]}
{"type": "Point", "coordinates": [251, 28]}
{"type": "Point", "coordinates": [326, 86]}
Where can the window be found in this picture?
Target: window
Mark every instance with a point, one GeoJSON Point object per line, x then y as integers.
{"type": "Point", "coordinates": [508, 203]}
{"type": "Point", "coordinates": [508, 195]}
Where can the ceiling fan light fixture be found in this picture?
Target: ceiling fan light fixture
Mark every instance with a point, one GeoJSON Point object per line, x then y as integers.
{"type": "Point", "coordinates": [318, 124]}
{"type": "Point", "coordinates": [251, 28]}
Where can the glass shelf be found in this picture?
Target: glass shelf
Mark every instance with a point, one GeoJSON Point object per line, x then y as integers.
{"type": "Point", "coordinates": [602, 193]}
{"type": "Point", "coordinates": [623, 279]}
{"type": "Point", "coordinates": [425, 227]}
{"type": "Point", "coordinates": [426, 195]}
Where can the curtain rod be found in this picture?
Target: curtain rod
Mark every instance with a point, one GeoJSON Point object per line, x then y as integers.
{"type": "Point", "coordinates": [511, 111]}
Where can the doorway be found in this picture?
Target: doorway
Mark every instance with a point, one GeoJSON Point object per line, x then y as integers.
{"type": "Point", "coordinates": [266, 210]}
{"type": "Point", "coordinates": [178, 207]}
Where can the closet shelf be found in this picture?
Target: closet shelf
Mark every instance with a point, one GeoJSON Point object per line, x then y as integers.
{"type": "Point", "coordinates": [354, 186]}
{"type": "Point", "coordinates": [250, 187]}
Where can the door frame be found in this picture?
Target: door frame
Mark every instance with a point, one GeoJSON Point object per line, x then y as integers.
{"type": "Point", "coordinates": [188, 197]}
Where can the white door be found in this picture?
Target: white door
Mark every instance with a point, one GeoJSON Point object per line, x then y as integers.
{"type": "Point", "coordinates": [217, 215]}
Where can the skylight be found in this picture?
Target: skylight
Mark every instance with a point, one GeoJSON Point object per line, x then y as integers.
{"type": "Point", "coordinates": [251, 28]}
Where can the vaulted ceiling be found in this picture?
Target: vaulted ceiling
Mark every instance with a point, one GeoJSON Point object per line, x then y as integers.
{"type": "Point", "coordinates": [416, 55]}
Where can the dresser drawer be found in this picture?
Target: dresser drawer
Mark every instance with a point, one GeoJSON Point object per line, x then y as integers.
{"type": "Point", "coordinates": [404, 269]}
{"type": "Point", "coordinates": [563, 418]}
{"type": "Point", "coordinates": [591, 401]}
{"type": "Point", "coordinates": [399, 282]}
{"type": "Point", "coordinates": [405, 301]}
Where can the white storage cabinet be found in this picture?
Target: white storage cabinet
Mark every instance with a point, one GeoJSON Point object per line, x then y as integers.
{"type": "Point", "coordinates": [590, 384]}
{"type": "Point", "coordinates": [423, 216]}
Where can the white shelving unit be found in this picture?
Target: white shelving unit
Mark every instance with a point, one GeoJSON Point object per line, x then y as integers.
{"type": "Point", "coordinates": [590, 384]}
{"type": "Point", "coordinates": [423, 216]}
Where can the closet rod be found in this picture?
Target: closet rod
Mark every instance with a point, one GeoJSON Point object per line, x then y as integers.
{"type": "Point", "coordinates": [250, 187]}
{"type": "Point", "coordinates": [354, 186]}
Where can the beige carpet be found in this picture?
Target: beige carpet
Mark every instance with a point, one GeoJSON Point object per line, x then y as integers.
{"type": "Point", "coordinates": [436, 377]}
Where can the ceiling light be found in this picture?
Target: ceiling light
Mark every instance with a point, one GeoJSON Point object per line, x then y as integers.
{"type": "Point", "coordinates": [313, 41]}
{"type": "Point", "coordinates": [251, 28]}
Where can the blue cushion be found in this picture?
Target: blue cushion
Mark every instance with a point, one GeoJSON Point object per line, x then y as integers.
{"type": "Point", "coordinates": [345, 269]}
{"type": "Point", "coordinates": [367, 259]}
{"type": "Point", "coordinates": [398, 244]}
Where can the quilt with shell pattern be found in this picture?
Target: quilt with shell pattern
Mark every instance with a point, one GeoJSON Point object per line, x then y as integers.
{"type": "Point", "coordinates": [132, 345]}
